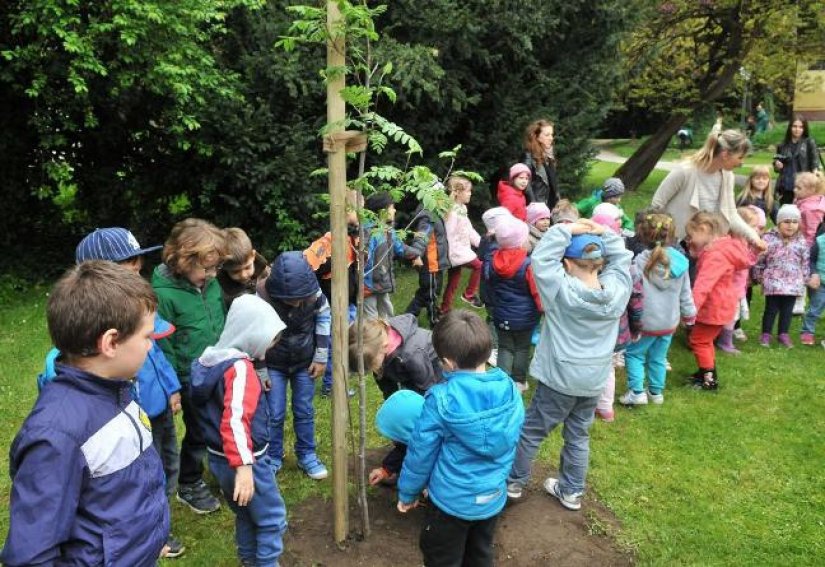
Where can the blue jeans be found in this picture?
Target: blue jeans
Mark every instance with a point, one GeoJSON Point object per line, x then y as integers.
{"type": "Point", "coordinates": [303, 413]}
{"type": "Point", "coordinates": [815, 309]}
{"type": "Point", "coordinates": [648, 353]}
{"type": "Point", "coordinates": [261, 524]}
{"type": "Point", "coordinates": [326, 385]}
{"type": "Point", "coordinates": [546, 411]}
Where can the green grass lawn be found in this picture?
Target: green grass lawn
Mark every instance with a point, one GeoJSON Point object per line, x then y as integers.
{"type": "Point", "coordinates": [726, 478]}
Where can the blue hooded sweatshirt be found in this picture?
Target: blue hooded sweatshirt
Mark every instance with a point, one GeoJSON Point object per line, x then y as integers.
{"type": "Point", "coordinates": [156, 379]}
{"type": "Point", "coordinates": [464, 444]}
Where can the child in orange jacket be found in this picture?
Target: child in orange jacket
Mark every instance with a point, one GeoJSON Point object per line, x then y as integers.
{"type": "Point", "coordinates": [715, 292]}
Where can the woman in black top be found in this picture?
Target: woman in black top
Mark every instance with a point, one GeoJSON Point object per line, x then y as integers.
{"type": "Point", "coordinates": [539, 157]}
{"type": "Point", "coordinates": [797, 153]}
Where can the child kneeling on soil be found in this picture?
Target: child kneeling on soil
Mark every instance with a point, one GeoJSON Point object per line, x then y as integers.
{"type": "Point", "coordinates": [583, 275]}
{"type": "Point", "coordinates": [401, 355]}
{"type": "Point", "coordinates": [232, 411]}
{"type": "Point", "coordinates": [462, 447]}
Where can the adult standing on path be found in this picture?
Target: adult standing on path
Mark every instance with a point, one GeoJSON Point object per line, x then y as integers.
{"type": "Point", "coordinates": [705, 183]}
{"type": "Point", "coordinates": [797, 153]}
{"type": "Point", "coordinates": [539, 156]}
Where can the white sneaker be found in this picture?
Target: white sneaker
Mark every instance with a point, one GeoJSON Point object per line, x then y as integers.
{"type": "Point", "coordinates": [657, 399]}
{"type": "Point", "coordinates": [739, 335]}
{"type": "Point", "coordinates": [630, 398]}
{"type": "Point", "coordinates": [618, 359]}
{"type": "Point", "coordinates": [493, 357]}
{"type": "Point", "coordinates": [668, 367]}
{"type": "Point", "coordinates": [569, 501]}
{"type": "Point", "coordinates": [514, 490]}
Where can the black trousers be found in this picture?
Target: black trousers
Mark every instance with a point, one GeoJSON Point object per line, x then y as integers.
{"type": "Point", "coordinates": [781, 305]}
{"type": "Point", "coordinates": [193, 446]}
{"type": "Point", "coordinates": [447, 541]}
{"type": "Point", "coordinates": [427, 295]}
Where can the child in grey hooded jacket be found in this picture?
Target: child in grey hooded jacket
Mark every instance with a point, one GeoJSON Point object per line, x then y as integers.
{"type": "Point", "coordinates": [583, 277]}
{"type": "Point", "coordinates": [663, 272]}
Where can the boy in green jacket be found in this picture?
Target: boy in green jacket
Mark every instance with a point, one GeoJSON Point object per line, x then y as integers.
{"type": "Point", "coordinates": [610, 192]}
{"type": "Point", "coordinates": [190, 298]}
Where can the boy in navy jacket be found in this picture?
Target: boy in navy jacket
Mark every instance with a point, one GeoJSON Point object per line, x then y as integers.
{"type": "Point", "coordinates": [233, 413]}
{"type": "Point", "coordinates": [82, 465]}
{"type": "Point", "coordinates": [156, 387]}
{"type": "Point", "coordinates": [298, 359]}
{"type": "Point", "coordinates": [462, 447]}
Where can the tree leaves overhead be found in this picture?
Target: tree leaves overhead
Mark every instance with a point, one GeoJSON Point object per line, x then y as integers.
{"type": "Point", "coordinates": [139, 112]}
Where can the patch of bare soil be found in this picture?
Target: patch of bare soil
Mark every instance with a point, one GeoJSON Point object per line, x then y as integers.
{"type": "Point", "coordinates": [536, 530]}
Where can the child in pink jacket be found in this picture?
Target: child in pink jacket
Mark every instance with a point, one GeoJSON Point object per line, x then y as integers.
{"type": "Point", "coordinates": [809, 193]}
{"type": "Point", "coordinates": [462, 238]}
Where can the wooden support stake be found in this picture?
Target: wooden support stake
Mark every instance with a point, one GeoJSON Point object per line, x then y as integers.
{"type": "Point", "coordinates": [337, 163]}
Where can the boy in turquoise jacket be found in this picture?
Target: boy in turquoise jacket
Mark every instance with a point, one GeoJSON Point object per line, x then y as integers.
{"type": "Point", "coordinates": [462, 447]}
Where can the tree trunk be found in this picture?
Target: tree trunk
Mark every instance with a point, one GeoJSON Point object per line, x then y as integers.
{"type": "Point", "coordinates": [638, 166]}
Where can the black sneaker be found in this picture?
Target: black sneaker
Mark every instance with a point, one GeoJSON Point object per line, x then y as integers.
{"type": "Point", "coordinates": [198, 497]}
{"type": "Point", "coordinates": [174, 548]}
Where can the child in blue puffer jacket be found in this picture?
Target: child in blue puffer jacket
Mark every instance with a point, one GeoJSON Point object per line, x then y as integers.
{"type": "Point", "coordinates": [462, 447]}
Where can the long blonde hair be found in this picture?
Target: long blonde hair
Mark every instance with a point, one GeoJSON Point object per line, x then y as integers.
{"type": "Point", "coordinates": [806, 178]}
{"type": "Point", "coordinates": [734, 141]}
{"type": "Point", "coordinates": [747, 190]}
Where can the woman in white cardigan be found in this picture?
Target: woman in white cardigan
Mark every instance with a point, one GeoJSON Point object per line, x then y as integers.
{"type": "Point", "coordinates": [706, 183]}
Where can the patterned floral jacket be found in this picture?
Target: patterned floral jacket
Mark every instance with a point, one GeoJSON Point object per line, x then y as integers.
{"type": "Point", "coordinates": [784, 268]}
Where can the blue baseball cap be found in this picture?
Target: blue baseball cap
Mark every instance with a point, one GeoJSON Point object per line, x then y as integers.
{"type": "Point", "coordinates": [579, 242]}
{"type": "Point", "coordinates": [113, 244]}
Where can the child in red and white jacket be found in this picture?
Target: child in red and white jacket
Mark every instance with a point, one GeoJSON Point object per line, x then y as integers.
{"type": "Point", "coordinates": [715, 290]}
{"type": "Point", "coordinates": [233, 413]}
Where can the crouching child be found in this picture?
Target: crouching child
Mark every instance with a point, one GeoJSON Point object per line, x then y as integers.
{"type": "Point", "coordinates": [401, 356]}
{"type": "Point", "coordinates": [233, 412]}
{"type": "Point", "coordinates": [462, 447]}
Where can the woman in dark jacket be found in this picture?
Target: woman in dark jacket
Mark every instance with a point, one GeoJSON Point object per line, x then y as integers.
{"type": "Point", "coordinates": [797, 153]}
{"type": "Point", "coordinates": [539, 157]}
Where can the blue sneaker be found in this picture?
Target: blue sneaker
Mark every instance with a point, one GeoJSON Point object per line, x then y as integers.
{"type": "Point", "coordinates": [313, 467]}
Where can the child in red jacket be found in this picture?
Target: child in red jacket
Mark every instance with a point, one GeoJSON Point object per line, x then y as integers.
{"type": "Point", "coordinates": [511, 194]}
{"type": "Point", "coordinates": [715, 293]}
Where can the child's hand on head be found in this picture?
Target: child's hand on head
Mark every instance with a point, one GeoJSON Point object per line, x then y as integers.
{"type": "Point", "coordinates": [244, 485]}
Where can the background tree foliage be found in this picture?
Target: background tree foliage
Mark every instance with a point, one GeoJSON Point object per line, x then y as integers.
{"type": "Point", "coordinates": [686, 54]}
{"type": "Point", "coordinates": [140, 112]}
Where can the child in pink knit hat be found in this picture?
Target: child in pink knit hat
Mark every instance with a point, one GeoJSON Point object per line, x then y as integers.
{"type": "Point", "coordinates": [516, 307]}
{"type": "Point", "coordinates": [538, 219]}
{"type": "Point", "coordinates": [511, 193]}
